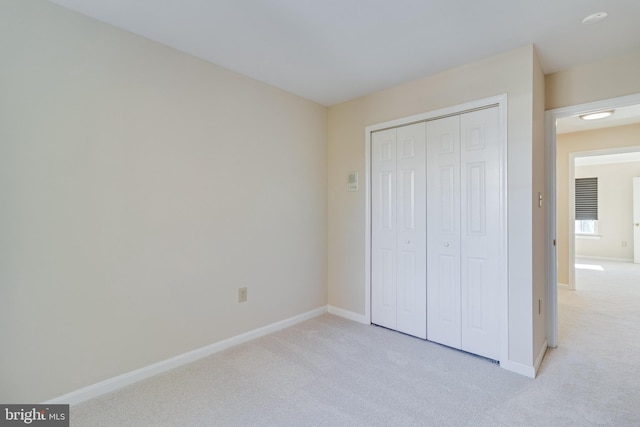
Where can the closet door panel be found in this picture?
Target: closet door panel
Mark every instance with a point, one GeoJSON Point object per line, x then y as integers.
{"type": "Point", "coordinates": [411, 231]}
{"type": "Point", "coordinates": [480, 231]}
{"type": "Point", "coordinates": [383, 228]}
{"type": "Point", "coordinates": [443, 231]}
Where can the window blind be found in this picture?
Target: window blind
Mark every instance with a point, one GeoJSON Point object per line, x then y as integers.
{"type": "Point", "coordinates": [587, 198]}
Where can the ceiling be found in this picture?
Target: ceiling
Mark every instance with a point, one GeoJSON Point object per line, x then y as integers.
{"type": "Point", "coordinates": [621, 116]}
{"type": "Point", "coordinates": [330, 51]}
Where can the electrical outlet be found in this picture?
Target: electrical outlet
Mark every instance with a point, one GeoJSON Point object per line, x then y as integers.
{"type": "Point", "coordinates": [242, 294]}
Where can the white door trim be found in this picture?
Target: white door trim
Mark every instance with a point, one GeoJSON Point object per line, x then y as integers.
{"type": "Point", "coordinates": [636, 219]}
{"type": "Point", "coordinates": [501, 102]}
{"type": "Point", "coordinates": [550, 153]}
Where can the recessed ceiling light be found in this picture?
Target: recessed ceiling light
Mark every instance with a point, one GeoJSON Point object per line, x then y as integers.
{"type": "Point", "coordinates": [594, 18]}
{"type": "Point", "coordinates": [596, 115]}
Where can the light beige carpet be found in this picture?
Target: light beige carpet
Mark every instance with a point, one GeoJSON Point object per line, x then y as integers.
{"type": "Point", "coordinates": [333, 372]}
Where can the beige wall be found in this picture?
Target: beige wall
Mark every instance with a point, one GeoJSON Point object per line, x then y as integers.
{"type": "Point", "coordinates": [595, 81]}
{"type": "Point", "coordinates": [615, 210]}
{"type": "Point", "coordinates": [623, 136]}
{"type": "Point", "coordinates": [511, 73]}
{"type": "Point", "coordinates": [539, 213]}
{"type": "Point", "coordinates": [140, 188]}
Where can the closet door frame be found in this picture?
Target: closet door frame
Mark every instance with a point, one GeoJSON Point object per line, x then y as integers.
{"type": "Point", "coordinates": [499, 101]}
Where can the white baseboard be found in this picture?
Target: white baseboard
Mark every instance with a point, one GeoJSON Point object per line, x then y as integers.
{"type": "Point", "coordinates": [518, 368]}
{"type": "Point", "coordinates": [563, 285]}
{"type": "Point", "coordinates": [602, 258]}
{"type": "Point", "coordinates": [522, 369]}
{"type": "Point", "coordinates": [541, 353]}
{"type": "Point", "coordinates": [132, 377]}
{"type": "Point", "coordinates": [360, 318]}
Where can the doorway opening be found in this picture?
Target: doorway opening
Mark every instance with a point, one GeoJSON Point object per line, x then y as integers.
{"type": "Point", "coordinates": [609, 235]}
{"type": "Point", "coordinates": [555, 120]}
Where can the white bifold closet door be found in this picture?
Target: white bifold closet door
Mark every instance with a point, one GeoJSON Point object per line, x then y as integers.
{"type": "Point", "coordinates": [463, 229]}
{"type": "Point", "coordinates": [398, 234]}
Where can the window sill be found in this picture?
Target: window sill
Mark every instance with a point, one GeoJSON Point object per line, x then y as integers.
{"type": "Point", "coordinates": [588, 236]}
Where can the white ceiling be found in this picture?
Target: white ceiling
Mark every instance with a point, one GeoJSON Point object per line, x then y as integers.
{"type": "Point", "coordinates": [331, 51]}
{"type": "Point", "coordinates": [620, 117]}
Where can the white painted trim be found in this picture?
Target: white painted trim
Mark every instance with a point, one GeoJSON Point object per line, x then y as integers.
{"type": "Point", "coordinates": [367, 221]}
{"type": "Point", "coordinates": [504, 226]}
{"type": "Point", "coordinates": [571, 225]}
{"type": "Point", "coordinates": [518, 368]}
{"type": "Point", "coordinates": [115, 383]}
{"type": "Point", "coordinates": [541, 353]}
{"type": "Point", "coordinates": [552, 234]}
{"type": "Point", "coordinates": [563, 286]}
{"type": "Point", "coordinates": [602, 258]}
{"type": "Point", "coordinates": [350, 315]}
{"type": "Point", "coordinates": [501, 102]}
{"type": "Point", "coordinates": [550, 145]}
{"type": "Point", "coordinates": [432, 115]}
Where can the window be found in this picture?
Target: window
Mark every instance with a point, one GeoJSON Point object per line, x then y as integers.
{"type": "Point", "coordinates": [586, 205]}
{"type": "Point", "coordinates": [586, 226]}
